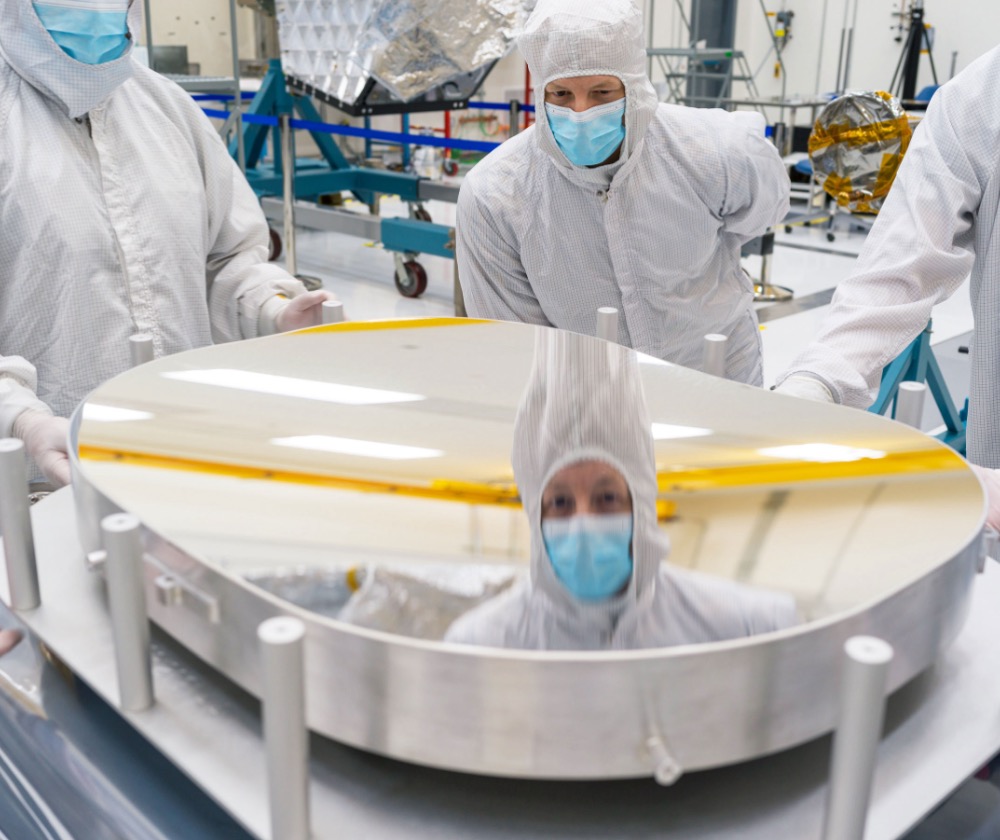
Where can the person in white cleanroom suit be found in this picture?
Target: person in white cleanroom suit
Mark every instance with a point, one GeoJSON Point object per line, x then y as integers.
{"type": "Point", "coordinates": [120, 213]}
{"type": "Point", "coordinates": [585, 467]}
{"type": "Point", "coordinates": [611, 199]}
{"type": "Point", "coordinates": [940, 221]}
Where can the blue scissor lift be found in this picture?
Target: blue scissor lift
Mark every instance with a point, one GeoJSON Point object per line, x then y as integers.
{"type": "Point", "coordinates": [407, 237]}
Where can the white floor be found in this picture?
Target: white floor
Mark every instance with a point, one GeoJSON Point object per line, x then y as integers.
{"type": "Point", "coordinates": [361, 275]}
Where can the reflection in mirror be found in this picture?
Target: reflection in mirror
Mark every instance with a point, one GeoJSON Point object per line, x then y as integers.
{"type": "Point", "coordinates": [381, 492]}
{"type": "Point", "coordinates": [585, 465]}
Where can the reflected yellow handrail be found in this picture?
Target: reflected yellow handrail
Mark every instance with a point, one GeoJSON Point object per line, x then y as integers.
{"type": "Point", "coordinates": [466, 492]}
{"type": "Point", "coordinates": [673, 481]}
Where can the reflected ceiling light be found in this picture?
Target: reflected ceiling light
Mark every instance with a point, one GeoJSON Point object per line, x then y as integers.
{"type": "Point", "coordinates": [287, 386]}
{"type": "Point", "coordinates": [362, 448]}
{"type": "Point", "coordinates": [111, 414]}
{"type": "Point", "coordinates": [824, 453]}
{"type": "Point", "coordinates": [645, 359]}
{"type": "Point", "coordinates": [665, 431]}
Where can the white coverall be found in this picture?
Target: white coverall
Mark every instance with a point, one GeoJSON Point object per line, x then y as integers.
{"type": "Point", "coordinates": [656, 234]}
{"type": "Point", "coordinates": [585, 401]}
{"type": "Point", "coordinates": [120, 212]}
{"type": "Point", "coordinates": [939, 222]}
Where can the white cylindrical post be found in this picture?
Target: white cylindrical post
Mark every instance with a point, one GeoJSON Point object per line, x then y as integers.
{"type": "Point", "coordinates": [288, 189]}
{"type": "Point", "coordinates": [910, 403]}
{"type": "Point", "coordinates": [607, 323]}
{"type": "Point", "coordinates": [855, 744]}
{"type": "Point", "coordinates": [333, 312]}
{"type": "Point", "coordinates": [127, 601]}
{"type": "Point", "coordinates": [140, 348]}
{"type": "Point", "coordinates": [714, 354]}
{"type": "Point", "coordinates": [15, 527]}
{"type": "Point", "coordinates": [286, 738]}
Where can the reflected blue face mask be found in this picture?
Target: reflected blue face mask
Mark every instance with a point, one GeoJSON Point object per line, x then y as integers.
{"type": "Point", "coordinates": [589, 137]}
{"type": "Point", "coordinates": [91, 31]}
{"type": "Point", "coordinates": [591, 555]}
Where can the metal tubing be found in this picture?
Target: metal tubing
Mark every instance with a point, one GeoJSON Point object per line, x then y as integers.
{"type": "Point", "coordinates": [127, 602]}
{"type": "Point", "coordinates": [140, 348]}
{"type": "Point", "coordinates": [241, 158]}
{"type": "Point", "coordinates": [333, 312]}
{"type": "Point", "coordinates": [607, 323]}
{"type": "Point", "coordinates": [15, 526]}
{"type": "Point", "coordinates": [910, 403]}
{"type": "Point", "coordinates": [286, 737]}
{"type": "Point", "coordinates": [514, 119]}
{"type": "Point", "coordinates": [852, 766]}
{"type": "Point", "coordinates": [288, 192]}
{"type": "Point", "coordinates": [714, 354]}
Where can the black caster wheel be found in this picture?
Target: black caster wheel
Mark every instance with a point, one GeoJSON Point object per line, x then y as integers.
{"type": "Point", "coordinates": [421, 215]}
{"type": "Point", "coordinates": [788, 228]}
{"type": "Point", "coordinates": [831, 237]}
{"type": "Point", "coordinates": [414, 283]}
{"type": "Point", "coordinates": [450, 167]}
{"type": "Point", "coordinates": [274, 249]}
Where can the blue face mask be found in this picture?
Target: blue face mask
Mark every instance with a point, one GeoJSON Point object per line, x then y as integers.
{"type": "Point", "coordinates": [591, 555]}
{"type": "Point", "coordinates": [590, 137]}
{"type": "Point", "coordinates": [91, 31]}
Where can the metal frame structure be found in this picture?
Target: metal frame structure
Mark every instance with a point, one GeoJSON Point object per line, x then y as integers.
{"type": "Point", "coordinates": [917, 363]}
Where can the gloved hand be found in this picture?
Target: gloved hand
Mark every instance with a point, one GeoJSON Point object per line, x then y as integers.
{"type": "Point", "coordinates": [306, 310]}
{"type": "Point", "coordinates": [806, 388]}
{"type": "Point", "coordinates": [991, 479]}
{"type": "Point", "coordinates": [45, 437]}
{"type": "Point", "coordinates": [9, 639]}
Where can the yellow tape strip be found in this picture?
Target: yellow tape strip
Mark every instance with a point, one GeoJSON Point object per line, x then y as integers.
{"type": "Point", "coordinates": [395, 324]}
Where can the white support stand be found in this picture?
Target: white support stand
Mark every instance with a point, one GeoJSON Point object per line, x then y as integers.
{"type": "Point", "coordinates": [607, 323]}
{"type": "Point", "coordinates": [140, 348]}
{"type": "Point", "coordinates": [333, 312]}
{"type": "Point", "coordinates": [127, 602]}
{"type": "Point", "coordinates": [714, 354]}
{"type": "Point", "coordinates": [15, 527]}
{"type": "Point", "coordinates": [910, 403]}
{"type": "Point", "coordinates": [286, 737]}
{"type": "Point", "coordinates": [855, 744]}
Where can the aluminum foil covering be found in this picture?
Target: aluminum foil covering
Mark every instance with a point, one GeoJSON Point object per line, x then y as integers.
{"type": "Point", "coordinates": [856, 147]}
{"type": "Point", "coordinates": [420, 603]}
{"type": "Point", "coordinates": [417, 45]}
{"type": "Point", "coordinates": [410, 46]}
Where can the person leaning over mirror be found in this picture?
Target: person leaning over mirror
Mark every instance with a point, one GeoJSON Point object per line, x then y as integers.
{"type": "Point", "coordinates": [611, 199]}
{"type": "Point", "coordinates": [121, 212]}
{"type": "Point", "coordinates": [585, 467]}
{"type": "Point", "coordinates": [939, 223]}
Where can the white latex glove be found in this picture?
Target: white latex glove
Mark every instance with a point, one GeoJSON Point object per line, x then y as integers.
{"type": "Point", "coordinates": [806, 388]}
{"type": "Point", "coordinates": [305, 310]}
{"type": "Point", "coordinates": [991, 479]}
{"type": "Point", "coordinates": [45, 437]}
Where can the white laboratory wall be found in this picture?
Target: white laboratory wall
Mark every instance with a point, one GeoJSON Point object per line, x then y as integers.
{"type": "Point", "coordinates": [203, 26]}
{"type": "Point", "coordinates": [966, 27]}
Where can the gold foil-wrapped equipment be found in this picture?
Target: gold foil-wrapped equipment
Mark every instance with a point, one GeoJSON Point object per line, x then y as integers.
{"type": "Point", "coordinates": [856, 147]}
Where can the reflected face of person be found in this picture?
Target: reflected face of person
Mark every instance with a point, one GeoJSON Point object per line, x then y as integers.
{"type": "Point", "coordinates": [581, 93]}
{"type": "Point", "coordinates": [586, 487]}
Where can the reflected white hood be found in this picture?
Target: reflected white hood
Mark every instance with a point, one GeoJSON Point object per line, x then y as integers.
{"type": "Point", "coordinates": [585, 401]}
{"type": "Point", "coordinates": [35, 57]}
{"type": "Point", "coordinates": [564, 38]}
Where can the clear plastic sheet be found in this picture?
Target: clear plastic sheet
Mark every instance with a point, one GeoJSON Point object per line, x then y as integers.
{"type": "Point", "coordinates": [856, 147]}
{"type": "Point", "coordinates": [418, 603]}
